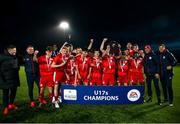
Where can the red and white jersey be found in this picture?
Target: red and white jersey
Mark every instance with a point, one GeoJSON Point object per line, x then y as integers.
{"type": "Point", "coordinates": [123, 65]}
{"type": "Point", "coordinates": [83, 63]}
{"type": "Point", "coordinates": [59, 59]}
{"type": "Point", "coordinates": [96, 64]}
{"type": "Point", "coordinates": [45, 63]}
{"type": "Point", "coordinates": [109, 64]}
{"type": "Point", "coordinates": [136, 65]}
{"type": "Point", "coordinates": [70, 67]}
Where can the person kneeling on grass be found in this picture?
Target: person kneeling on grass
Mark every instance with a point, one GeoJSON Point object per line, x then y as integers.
{"type": "Point", "coordinates": [46, 75]}
{"type": "Point", "coordinates": [9, 78]}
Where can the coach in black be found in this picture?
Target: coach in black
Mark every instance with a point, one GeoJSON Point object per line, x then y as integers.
{"type": "Point", "coordinates": [32, 71]}
{"type": "Point", "coordinates": [9, 77]}
{"type": "Point", "coordinates": [151, 70]}
{"type": "Point", "coordinates": [167, 61]}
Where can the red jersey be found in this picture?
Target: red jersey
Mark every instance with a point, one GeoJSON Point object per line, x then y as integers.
{"type": "Point", "coordinates": [45, 65]}
{"type": "Point", "coordinates": [83, 64]}
{"type": "Point", "coordinates": [70, 67]}
{"type": "Point", "coordinates": [97, 65]}
{"type": "Point", "coordinates": [123, 65]}
{"type": "Point", "coordinates": [131, 52]}
{"type": "Point", "coordinates": [59, 59]}
{"type": "Point", "coordinates": [108, 65]}
{"type": "Point", "coordinates": [136, 65]}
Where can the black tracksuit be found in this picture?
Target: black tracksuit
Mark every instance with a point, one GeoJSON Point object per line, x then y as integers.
{"type": "Point", "coordinates": [167, 59]}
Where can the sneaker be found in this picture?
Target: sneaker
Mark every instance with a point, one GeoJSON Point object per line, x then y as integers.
{"type": "Point", "coordinates": [53, 99]}
{"type": "Point", "coordinates": [5, 111]}
{"type": "Point", "coordinates": [171, 104]}
{"type": "Point", "coordinates": [159, 101]}
{"type": "Point", "coordinates": [59, 99]}
{"type": "Point", "coordinates": [56, 104]}
{"type": "Point", "coordinates": [32, 104]}
{"type": "Point", "coordinates": [43, 101]}
{"type": "Point", "coordinates": [12, 106]}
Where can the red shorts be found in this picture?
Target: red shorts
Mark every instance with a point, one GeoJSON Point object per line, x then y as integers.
{"type": "Point", "coordinates": [58, 77]}
{"type": "Point", "coordinates": [71, 81]}
{"type": "Point", "coordinates": [96, 78]}
{"type": "Point", "coordinates": [129, 75]}
{"type": "Point", "coordinates": [46, 80]}
{"type": "Point", "coordinates": [108, 79]}
{"type": "Point", "coordinates": [137, 77]}
{"type": "Point", "coordinates": [122, 78]}
{"type": "Point", "coordinates": [84, 77]}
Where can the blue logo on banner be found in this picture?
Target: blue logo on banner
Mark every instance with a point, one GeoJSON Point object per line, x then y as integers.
{"type": "Point", "coordinates": [102, 94]}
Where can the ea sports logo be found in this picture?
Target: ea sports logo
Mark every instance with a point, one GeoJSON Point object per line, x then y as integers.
{"type": "Point", "coordinates": [133, 95]}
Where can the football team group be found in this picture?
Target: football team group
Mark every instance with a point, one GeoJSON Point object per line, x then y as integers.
{"type": "Point", "coordinates": [108, 66]}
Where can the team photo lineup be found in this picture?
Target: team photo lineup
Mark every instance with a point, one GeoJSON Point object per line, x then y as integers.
{"type": "Point", "coordinates": [108, 65]}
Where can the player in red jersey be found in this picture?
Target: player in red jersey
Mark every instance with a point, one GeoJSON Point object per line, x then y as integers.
{"type": "Point", "coordinates": [108, 65]}
{"type": "Point", "coordinates": [71, 71]}
{"type": "Point", "coordinates": [130, 49]}
{"type": "Point", "coordinates": [46, 74]}
{"type": "Point", "coordinates": [136, 65]}
{"type": "Point", "coordinates": [123, 66]}
{"type": "Point", "coordinates": [96, 70]}
{"type": "Point", "coordinates": [83, 64]}
{"type": "Point", "coordinates": [58, 77]}
{"type": "Point", "coordinates": [107, 50]}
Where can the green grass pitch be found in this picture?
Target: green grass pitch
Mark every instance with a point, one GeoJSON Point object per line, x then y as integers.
{"type": "Point", "coordinates": [147, 112]}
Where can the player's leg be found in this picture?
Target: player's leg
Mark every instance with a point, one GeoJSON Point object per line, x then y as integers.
{"type": "Point", "coordinates": [119, 81]}
{"type": "Point", "coordinates": [12, 98]}
{"type": "Point", "coordinates": [134, 78]}
{"type": "Point", "coordinates": [149, 89]}
{"type": "Point", "coordinates": [170, 89]}
{"type": "Point", "coordinates": [104, 79]}
{"type": "Point", "coordinates": [111, 79]}
{"type": "Point", "coordinates": [30, 82]}
{"type": "Point", "coordinates": [157, 89]}
{"type": "Point", "coordinates": [42, 87]}
{"type": "Point", "coordinates": [164, 83]}
{"type": "Point", "coordinates": [98, 79]}
{"type": "Point", "coordinates": [125, 80]}
{"type": "Point", "coordinates": [5, 101]}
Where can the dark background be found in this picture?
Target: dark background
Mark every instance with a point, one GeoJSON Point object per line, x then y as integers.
{"type": "Point", "coordinates": [138, 21]}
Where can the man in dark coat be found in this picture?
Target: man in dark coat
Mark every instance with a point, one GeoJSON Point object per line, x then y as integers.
{"type": "Point", "coordinates": [9, 77]}
{"type": "Point", "coordinates": [167, 61]}
{"type": "Point", "coordinates": [151, 70]}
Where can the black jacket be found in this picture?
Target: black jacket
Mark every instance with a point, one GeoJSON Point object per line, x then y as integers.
{"type": "Point", "coordinates": [151, 64]}
{"type": "Point", "coordinates": [9, 71]}
{"type": "Point", "coordinates": [30, 65]}
{"type": "Point", "coordinates": [166, 59]}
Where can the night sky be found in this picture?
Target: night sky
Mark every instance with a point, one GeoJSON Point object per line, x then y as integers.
{"type": "Point", "coordinates": [138, 21]}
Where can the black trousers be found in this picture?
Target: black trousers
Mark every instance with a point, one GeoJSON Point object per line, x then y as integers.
{"type": "Point", "coordinates": [166, 82]}
{"type": "Point", "coordinates": [9, 98]}
{"type": "Point", "coordinates": [31, 78]}
{"type": "Point", "coordinates": [149, 79]}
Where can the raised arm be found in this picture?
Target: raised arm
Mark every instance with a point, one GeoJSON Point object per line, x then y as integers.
{"type": "Point", "coordinates": [63, 46]}
{"type": "Point", "coordinates": [90, 44]}
{"type": "Point", "coordinates": [102, 45]}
